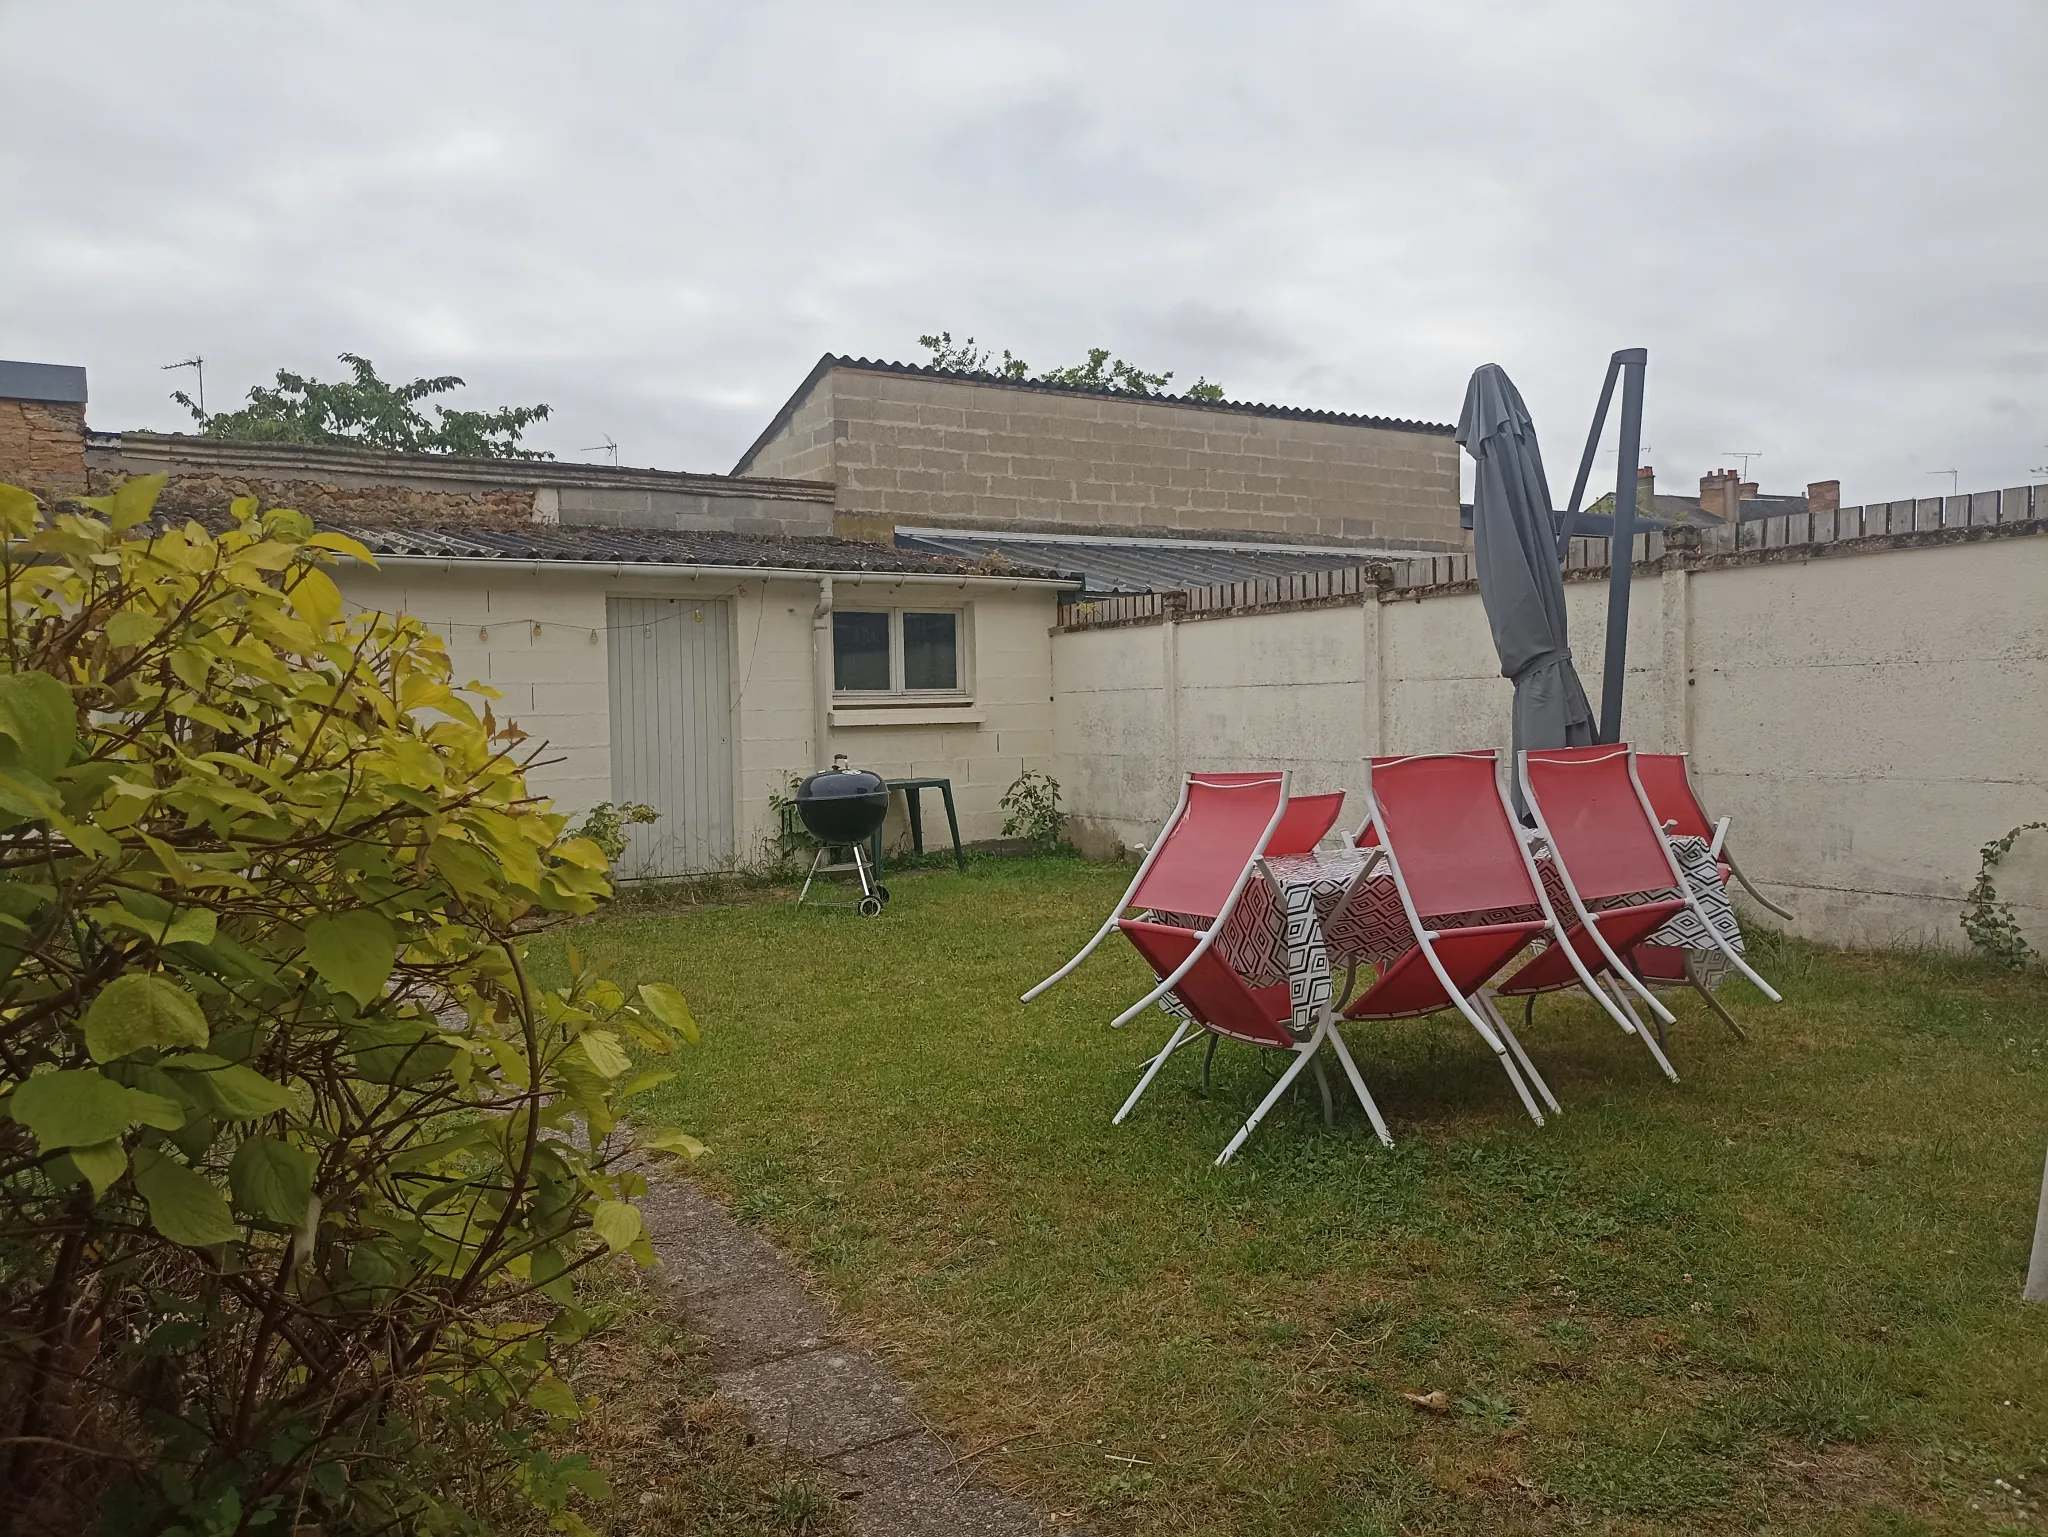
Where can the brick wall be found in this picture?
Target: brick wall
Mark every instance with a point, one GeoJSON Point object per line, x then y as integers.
{"type": "Point", "coordinates": [42, 445]}
{"type": "Point", "coordinates": [912, 449]}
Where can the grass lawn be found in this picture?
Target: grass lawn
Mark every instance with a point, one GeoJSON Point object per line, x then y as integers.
{"type": "Point", "coordinates": [1780, 1296]}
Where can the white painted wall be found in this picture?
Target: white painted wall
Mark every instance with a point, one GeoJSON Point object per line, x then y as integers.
{"type": "Point", "coordinates": [530, 635]}
{"type": "Point", "coordinates": [1869, 719]}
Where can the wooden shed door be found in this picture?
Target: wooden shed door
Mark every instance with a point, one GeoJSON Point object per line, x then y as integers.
{"type": "Point", "coordinates": [671, 704]}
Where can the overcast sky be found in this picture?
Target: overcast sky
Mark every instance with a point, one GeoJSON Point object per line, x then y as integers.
{"type": "Point", "coordinates": [1827, 222]}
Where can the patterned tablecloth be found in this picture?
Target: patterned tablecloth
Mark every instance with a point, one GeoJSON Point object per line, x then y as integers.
{"type": "Point", "coordinates": [1300, 925]}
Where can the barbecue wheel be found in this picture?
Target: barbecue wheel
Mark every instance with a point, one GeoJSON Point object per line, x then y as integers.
{"type": "Point", "coordinates": [882, 892]}
{"type": "Point", "coordinates": [870, 907]}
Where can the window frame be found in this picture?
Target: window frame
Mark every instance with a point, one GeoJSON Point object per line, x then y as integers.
{"type": "Point", "coordinates": [897, 693]}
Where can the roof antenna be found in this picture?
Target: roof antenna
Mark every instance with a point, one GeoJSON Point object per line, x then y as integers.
{"type": "Point", "coordinates": [198, 364]}
{"type": "Point", "coordinates": [606, 447]}
{"type": "Point", "coordinates": [1745, 455]}
{"type": "Point", "coordinates": [1951, 474]}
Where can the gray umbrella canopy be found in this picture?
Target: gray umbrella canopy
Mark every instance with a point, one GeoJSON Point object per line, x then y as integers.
{"type": "Point", "coordinates": [1514, 536]}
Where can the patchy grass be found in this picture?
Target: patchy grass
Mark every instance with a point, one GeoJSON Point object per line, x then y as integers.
{"type": "Point", "coordinates": [1780, 1296]}
{"type": "Point", "coordinates": [680, 1463]}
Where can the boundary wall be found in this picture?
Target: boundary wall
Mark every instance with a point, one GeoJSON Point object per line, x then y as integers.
{"type": "Point", "coordinates": [1867, 696]}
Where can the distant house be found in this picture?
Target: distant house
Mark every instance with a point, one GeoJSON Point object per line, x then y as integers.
{"type": "Point", "coordinates": [1725, 497]}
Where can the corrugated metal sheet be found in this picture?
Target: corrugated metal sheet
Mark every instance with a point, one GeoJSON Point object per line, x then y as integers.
{"type": "Point", "coordinates": [1112, 566]}
{"type": "Point", "coordinates": [671, 703]}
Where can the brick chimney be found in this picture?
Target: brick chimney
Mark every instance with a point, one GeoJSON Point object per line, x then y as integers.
{"type": "Point", "coordinates": [1646, 487]}
{"type": "Point", "coordinates": [1747, 491]}
{"type": "Point", "coordinates": [1720, 493]}
{"type": "Point", "coordinates": [42, 426]}
{"type": "Point", "coordinates": [1824, 496]}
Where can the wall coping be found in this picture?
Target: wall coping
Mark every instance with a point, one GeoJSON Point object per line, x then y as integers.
{"type": "Point", "coordinates": [1450, 575]}
{"type": "Point", "coordinates": [189, 453]}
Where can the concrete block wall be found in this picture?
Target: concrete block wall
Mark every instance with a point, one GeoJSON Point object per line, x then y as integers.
{"type": "Point", "coordinates": [922, 450]}
{"type": "Point", "coordinates": [540, 640]}
{"type": "Point", "coordinates": [1869, 719]}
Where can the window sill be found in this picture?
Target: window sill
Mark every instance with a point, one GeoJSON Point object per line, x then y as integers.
{"type": "Point", "coordinates": [963, 714]}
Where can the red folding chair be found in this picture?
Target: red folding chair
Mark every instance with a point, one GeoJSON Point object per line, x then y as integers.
{"type": "Point", "coordinates": [1610, 855]}
{"type": "Point", "coordinates": [1198, 866]}
{"type": "Point", "coordinates": [1304, 824]}
{"type": "Point", "coordinates": [1220, 1002]}
{"type": "Point", "coordinates": [1468, 890]}
{"type": "Point", "coordinates": [1667, 779]}
{"type": "Point", "coordinates": [1677, 807]}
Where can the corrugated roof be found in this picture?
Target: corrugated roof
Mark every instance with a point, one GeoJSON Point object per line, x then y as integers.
{"type": "Point", "coordinates": [1147, 565]}
{"type": "Point", "coordinates": [832, 360]}
{"type": "Point", "coordinates": [636, 546]}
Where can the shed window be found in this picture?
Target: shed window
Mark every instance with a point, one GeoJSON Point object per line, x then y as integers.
{"type": "Point", "coordinates": [896, 651]}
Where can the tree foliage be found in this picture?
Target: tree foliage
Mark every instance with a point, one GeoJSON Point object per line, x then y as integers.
{"type": "Point", "coordinates": [298, 1167]}
{"type": "Point", "coordinates": [367, 412]}
{"type": "Point", "coordinates": [1112, 376]}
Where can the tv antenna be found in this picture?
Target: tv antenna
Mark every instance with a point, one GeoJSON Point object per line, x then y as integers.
{"type": "Point", "coordinates": [1951, 474]}
{"type": "Point", "coordinates": [198, 365]}
{"type": "Point", "coordinates": [606, 447]}
{"type": "Point", "coordinates": [2039, 469]}
{"type": "Point", "coordinates": [1745, 455]}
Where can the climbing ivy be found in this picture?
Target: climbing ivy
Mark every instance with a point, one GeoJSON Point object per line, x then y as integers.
{"type": "Point", "coordinates": [1990, 923]}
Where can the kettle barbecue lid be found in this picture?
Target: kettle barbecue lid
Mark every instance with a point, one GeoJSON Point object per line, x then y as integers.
{"type": "Point", "coordinates": [840, 783]}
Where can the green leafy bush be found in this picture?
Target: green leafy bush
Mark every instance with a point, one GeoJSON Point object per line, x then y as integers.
{"type": "Point", "coordinates": [1032, 810]}
{"type": "Point", "coordinates": [605, 825]}
{"type": "Point", "coordinates": [1989, 921]}
{"type": "Point", "coordinates": [297, 1167]}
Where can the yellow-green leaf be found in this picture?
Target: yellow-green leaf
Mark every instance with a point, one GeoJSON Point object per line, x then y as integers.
{"type": "Point", "coordinates": [101, 1164]}
{"type": "Point", "coordinates": [230, 1090]}
{"type": "Point", "coordinates": [131, 627]}
{"type": "Point", "coordinates": [667, 1139]}
{"type": "Point", "coordinates": [273, 1178]}
{"type": "Point", "coordinates": [137, 1011]}
{"type": "Point", "coordinates": [667, 1005]}
{"type": "Point", "coordinates": [134, 500]}
{"type": "Point", "coordinates": [617, 1223]}
{"type": "Point", "coordinates": [353, 952]}
{"type": "Point", "coordinates": [19, 512]}
{"type": "Point", "coordinates": [38, 718]}
{"type": "Point", "coordinates": [551, 1395]}
{"type": "Point", "coordinates": [79, 1108]}
{"type": "Point", "coordinates": [342, 544]}
{"type": "Point", "coordinates": [184, 1205]}
{"type": "Point", "coordinates": [605, 1052]}
{"type": "Point", "coordinates": [314, 597]}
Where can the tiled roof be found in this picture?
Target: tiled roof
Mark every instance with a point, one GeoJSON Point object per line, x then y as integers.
{"type": "Point", "coordinates": [661, 547]}
{"type": "Point", "coordinates": [832, 360]}
{"type": "Point", "coordinates": [1149, 565]}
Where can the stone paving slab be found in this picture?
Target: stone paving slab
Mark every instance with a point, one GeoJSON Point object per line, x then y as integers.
{"type": "Point", "coordinates": [822, 1402]}
{"type": "Point", "coordinates": [774, 1349]}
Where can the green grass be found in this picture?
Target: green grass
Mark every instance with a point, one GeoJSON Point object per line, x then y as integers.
{"type": "Point", "coordinates": [1780, 1296]}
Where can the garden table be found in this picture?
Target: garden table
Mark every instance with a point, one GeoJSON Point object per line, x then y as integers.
{"type": "Point", "coordinates": [1338, 907]}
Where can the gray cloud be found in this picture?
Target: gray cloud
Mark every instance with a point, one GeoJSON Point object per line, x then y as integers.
{"type": "Point", "coordinates": [1826, 222]}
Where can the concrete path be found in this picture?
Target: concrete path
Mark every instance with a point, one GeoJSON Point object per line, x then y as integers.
{"type": "Point", "coordinates": [774, 1350]}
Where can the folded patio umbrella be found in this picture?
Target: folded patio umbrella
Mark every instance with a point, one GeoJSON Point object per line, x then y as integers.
{"type": "Point", "coordinates": [1515, 538]}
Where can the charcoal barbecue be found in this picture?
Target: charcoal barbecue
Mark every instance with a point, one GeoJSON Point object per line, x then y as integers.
{"type": "Point", "coordinates": [843, 808]}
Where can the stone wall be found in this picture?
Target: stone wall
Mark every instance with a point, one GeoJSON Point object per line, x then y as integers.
{"type": "Point", "coordinates": [912, 448]}
{"type": "Point", "coordinates": [1870, 711]}
{"type": "Point", "coordinates": [42, 445]}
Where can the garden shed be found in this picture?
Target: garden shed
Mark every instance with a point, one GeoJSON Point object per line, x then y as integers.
{"type": "Point", "coordinates": [699, 672]}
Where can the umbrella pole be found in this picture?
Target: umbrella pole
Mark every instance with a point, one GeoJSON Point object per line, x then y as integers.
{"type": "Point", "coordinates": [1571, 511]}
{"type": "Point", "coordinates": [1621, 546]}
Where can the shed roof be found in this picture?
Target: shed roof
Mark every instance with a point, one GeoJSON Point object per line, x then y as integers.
{"type": "Point", "coordinates": [665, 547]}
{"type": "Point", "coordinates": [833, 360]}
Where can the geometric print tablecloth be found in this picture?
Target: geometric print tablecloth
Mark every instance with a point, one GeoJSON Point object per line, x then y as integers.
{"type": "Point", "coordinates": [1301, 932]}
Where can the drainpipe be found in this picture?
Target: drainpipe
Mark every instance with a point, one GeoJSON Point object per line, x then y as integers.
{"type": "Point", "coordinates": [821, 676]}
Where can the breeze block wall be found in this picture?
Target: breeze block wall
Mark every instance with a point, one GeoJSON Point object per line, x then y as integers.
{"type": "Point", "coordinates": [912, 447]}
